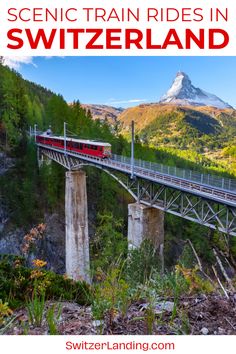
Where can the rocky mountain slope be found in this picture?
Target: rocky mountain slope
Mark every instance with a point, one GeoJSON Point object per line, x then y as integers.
{"type": "Point", "coordinates": [182, 92]}
{"type": "Point", "coordinates": [104, 112]}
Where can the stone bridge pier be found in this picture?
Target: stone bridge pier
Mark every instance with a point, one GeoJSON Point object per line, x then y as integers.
{"type": "Point", "coordinates": [77, 238]}
{"type": "Point", "coordinates": [146, 222]}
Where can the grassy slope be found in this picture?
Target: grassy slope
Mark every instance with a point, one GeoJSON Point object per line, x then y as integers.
{"type": "Point", "coordinates": [206, 131]}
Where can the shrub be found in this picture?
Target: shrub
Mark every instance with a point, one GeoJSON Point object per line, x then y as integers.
{"type": "Point", "coordinates": [141, 263]}
{"type": "Point", "coordinates": [195, 282]}
{"type": "Point", "coordinates": [111, 296]}
{"type": "Point", "coordinates": [17, 284]}
{"type": "Point", "coordinates": [5, 311]}
{"type": "Point", "coordinates": [53, 316]}
{"type": "Point", "coordinates": [36, 308]}
{"type": "Point", "coordinates": [109, 244]}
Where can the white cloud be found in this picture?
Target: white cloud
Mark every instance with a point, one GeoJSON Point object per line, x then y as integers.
{"type": "Point", "coordinates": [16, 62]}
{"type": "Point", "coordinates": [134, 100]}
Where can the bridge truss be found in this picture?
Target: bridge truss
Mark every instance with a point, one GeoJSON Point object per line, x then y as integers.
{"type": "Point", "coordinates": [191, 205]}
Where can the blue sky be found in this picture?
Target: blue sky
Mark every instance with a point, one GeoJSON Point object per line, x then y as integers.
{"type": "Point", "coordinates": [128, 81]}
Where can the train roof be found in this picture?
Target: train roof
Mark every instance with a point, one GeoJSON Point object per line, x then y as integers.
{"type": "Point", "coordinates": [84, 141]}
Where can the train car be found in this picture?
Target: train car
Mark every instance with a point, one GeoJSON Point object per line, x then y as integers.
{"type": "Point", "coordinates": [87, 147]}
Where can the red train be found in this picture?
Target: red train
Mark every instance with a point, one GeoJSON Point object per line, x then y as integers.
{"type": "Point", "coordinates": [87, 147]}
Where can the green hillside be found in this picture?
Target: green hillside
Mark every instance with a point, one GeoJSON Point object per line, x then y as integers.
{"type": "Point", "coordinates": [206, 131]}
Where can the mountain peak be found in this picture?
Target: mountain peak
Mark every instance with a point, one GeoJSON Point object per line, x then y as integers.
{"type": "Point", "coordinates": [182, 92]}
{"type": "Point", "coordinates": [183, 77]}
{"type": "Point", "coordinates": [182, 74]}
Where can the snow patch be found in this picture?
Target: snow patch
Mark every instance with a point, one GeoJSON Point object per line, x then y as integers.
{"type": "Point", "coordinates": [182, 92]}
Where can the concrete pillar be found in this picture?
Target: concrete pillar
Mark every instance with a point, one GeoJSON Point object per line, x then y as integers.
{"type": "Point", "coordinates": [145, 222]}
{"type": "Point", "coordinates": [77, 239]}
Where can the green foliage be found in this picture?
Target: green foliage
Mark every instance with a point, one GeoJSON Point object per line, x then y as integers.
{"type": "Point", "coordinates": [172, 284]}
{"type": "Point", "coordinates": [21, 103]}
{"type": "Point", "coordinates": [184, 327]}
{"type": "Point", "coordinates": [111, 296]}
{"type": "Point", "coordinates": [195, 282]}
{"type": "Point", "coordinates": [109, 243]}
{"type": "Point", "coordinates": [230, 151]}
{"type": "Point", "coordinates": [187, 128]}
{"type": "Point", "coordinates": [150, 318]}
{"type": "Point", "coordinates": [19, 188]}
{"type": "Point", "coordinates": [177, 231]}
{"type": "Point", "coordinates": [142, 263]}
{"type": "Point", "coordinates": [5, 311]}
{"type": "Point", "coordinates": [17, 284]}
{"type": "Point", "coordinates": [36, 309]}
{"type": "Point", "coordinates": [51, 185]}
{"type": "Point", "coordinates": [52, 316]}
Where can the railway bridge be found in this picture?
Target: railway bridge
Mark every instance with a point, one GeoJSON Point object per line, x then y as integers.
{"type": "Point", "coordinates": [202, 198]}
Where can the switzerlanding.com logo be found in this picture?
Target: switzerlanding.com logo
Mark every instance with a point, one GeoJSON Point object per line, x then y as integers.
{"type": "Point", "coordinates": [132, 345]}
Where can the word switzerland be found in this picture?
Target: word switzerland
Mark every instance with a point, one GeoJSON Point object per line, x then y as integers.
{"type": "Point", "coordinates": [116, 38]}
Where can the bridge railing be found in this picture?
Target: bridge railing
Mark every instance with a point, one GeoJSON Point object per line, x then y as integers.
{"type": "Point", "coordinates": [195, 176]}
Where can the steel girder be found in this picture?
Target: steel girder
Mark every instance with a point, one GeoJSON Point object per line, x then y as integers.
{"type": "Point", "coordinates": [198, 209]}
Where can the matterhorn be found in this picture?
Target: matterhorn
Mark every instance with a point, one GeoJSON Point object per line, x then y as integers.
{"type": "Point", "coordinates": [183, 93]}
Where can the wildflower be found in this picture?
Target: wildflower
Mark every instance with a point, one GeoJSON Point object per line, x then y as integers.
{"type": "Point", "coordinates": [30, 239]}
{"type": "Point", "coordinates": [41, 228]}
{"type": "Point", "coordinates": [39, 263]}
{"type": "Point", "coordinates": [35, 274]}
{"type": "Point", "coordinates": [17, 263]}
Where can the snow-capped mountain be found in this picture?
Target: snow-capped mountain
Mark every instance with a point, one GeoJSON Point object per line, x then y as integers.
{"type": "Point", "coordinates": [182, 92]}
